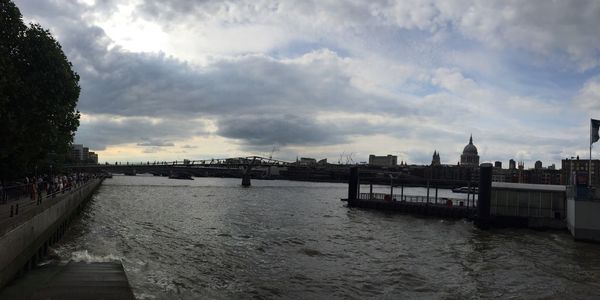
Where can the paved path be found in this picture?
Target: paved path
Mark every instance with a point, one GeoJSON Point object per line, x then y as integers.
{"type": "Point", "coordinates": [28, 208]}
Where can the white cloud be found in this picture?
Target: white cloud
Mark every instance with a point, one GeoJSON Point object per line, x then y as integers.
{"type": "Point", "coordinates": [589, 95]}
{"type": "Point", "coordinates": [453, 81]}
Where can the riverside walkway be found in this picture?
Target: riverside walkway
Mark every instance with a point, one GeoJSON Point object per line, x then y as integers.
{"type": "Point", "coordinates": [29, 225]}
{"type": "Point", "coordinates": [22, 207]}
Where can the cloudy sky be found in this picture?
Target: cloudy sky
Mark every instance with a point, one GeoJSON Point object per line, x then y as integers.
{"type": "Point", "coordinates": [174, 79]}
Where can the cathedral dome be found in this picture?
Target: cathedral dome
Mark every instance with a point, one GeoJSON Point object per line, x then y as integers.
{"type": "Point", "coordinates": [470, 148]}
{"type": "Point", "coordinates": [469, 157]}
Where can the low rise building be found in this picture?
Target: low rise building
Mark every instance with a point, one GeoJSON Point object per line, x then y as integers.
{"type": "Point", "coordinates": [76, 153]}
{"type": "Point", "coordinates": [383, 161]}
{"type": "Point", "coordinates": [93, 157]}
{"type": "Point", "coordinates": [580, 166]}
{"type": "Point", "coordinates": [80, 154]}
{"type": "Point", "coordinates": [307, 161]}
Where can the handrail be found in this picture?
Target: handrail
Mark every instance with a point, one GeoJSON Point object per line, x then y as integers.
{"type": "Point", "coordinates": [416, 199]}
{"type": "Point", "coordinates": [18, 211]}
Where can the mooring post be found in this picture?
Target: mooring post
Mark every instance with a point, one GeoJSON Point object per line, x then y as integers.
{"type": "Point", "coordinates": [391, 187]}
{"type": "Point", "coordinates": [436, 193]}
{"type": "Point", "coordinates": [353, 184]}
{"type": "Point", "coordinates": [469, 190]}
{"type": "Point", "coordinates": [427, 191]}
{"type": "Point", "coordinates": [485, 195]}
{"type": "Point", "coordinates": [402, 192]}
{"type": "Point", "coordinates": [371, 191]}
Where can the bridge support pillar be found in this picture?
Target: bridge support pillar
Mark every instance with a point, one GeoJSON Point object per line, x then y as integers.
{"type": "Point", "coordinates": [246, 177]}
{"type": "Point", "coordinates": [246, 180]}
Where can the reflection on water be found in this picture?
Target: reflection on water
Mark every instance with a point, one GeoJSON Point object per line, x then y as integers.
{"type": "Point", "coordinates": [211, 238]}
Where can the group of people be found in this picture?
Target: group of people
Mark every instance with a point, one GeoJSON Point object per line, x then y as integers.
{"type": "Point", "coordinates": [37, 187]}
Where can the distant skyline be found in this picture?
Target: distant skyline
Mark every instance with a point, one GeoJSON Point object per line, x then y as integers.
{"type": "Point", "coordinates": [167, 80]}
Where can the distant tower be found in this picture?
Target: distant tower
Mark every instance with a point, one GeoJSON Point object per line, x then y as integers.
{"type": "Point", "coordinates": [512, 164]}
{"type": "Point", "coordinates": [521, 173]}
{"type": "Point", "coordinates": [469, 157]}
{"type": "Point", "coordinates": [538, 165]}
{"type": "Point", "coordinates": [435, 161]}
{"type": "Point", "coordinates": [498, 164]}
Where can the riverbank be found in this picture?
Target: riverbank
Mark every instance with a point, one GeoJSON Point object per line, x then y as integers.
{"type": "Point", "coordinates": [39, 227]}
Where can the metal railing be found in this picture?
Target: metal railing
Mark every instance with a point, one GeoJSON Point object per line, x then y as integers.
{"type": "Point", "coordinates": [417, 199]}
{"type": "Point", "coordinates": [235, 161]}
{"type": "Point", "coordinates": [19, 202]}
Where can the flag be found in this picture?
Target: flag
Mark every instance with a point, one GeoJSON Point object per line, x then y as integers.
{"type": "Point", "coordinates": [595, 125]}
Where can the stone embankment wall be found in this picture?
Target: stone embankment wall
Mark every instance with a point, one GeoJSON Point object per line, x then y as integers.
{"type": "Point", "coordinates": [23, 246]}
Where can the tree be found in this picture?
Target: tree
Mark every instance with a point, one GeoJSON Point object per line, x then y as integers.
{"type": "Point", "coordinates": [38, 96]}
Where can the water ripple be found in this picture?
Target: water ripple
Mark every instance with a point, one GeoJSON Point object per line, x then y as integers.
{"type": "Point", "coordinates": [210, 238]}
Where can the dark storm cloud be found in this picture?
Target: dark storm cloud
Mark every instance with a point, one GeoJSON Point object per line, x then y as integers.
{"type": "Point", "coordinates": [279, 129]}
{"type": "Point", "coordinates": [104, 131]}
{"type": "Point", "coordinates": [131, 84]}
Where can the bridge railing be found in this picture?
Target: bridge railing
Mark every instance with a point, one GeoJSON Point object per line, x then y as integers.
{"type": "Point", "coordinates": [237, 161]}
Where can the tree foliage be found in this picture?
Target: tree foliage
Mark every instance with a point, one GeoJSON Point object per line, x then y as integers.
{"type": "Point", "coordinates": [38, 96]}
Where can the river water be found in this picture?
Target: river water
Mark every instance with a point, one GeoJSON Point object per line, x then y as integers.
{"type": "Point", "coordinates": [210, 238]}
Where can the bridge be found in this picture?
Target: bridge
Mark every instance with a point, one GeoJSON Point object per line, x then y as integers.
{"type": "Point", "coordinates": [243, 167]}
{"type": "Point", "coordinates": [268, 168]}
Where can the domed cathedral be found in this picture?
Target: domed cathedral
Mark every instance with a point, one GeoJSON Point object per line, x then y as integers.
{"type": "Point", "coordinates": [469, 157]}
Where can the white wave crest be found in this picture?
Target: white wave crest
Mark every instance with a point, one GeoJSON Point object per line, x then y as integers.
{"type": "Point", "coordinates": [85, 256]}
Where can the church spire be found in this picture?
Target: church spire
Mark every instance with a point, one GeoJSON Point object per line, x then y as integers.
{"type": "Point", "coordinates": [471, 139]}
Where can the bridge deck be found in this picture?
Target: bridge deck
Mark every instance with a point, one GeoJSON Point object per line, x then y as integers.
{"type": "Point", "coordinates": [81, 280]}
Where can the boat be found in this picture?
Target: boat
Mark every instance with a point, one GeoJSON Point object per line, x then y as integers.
{"type": "Point", "coordinates": [465, 190]}
{"type": "Point", "coordinates": [181, 176]}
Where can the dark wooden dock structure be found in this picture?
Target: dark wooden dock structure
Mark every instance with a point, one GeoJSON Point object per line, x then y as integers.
{"type": "Point", "coordinates": [447, 208]}
{"type": "Point", "coordinates": [424, 205]}
{"type": "Point", "coordinates": [90, 281]}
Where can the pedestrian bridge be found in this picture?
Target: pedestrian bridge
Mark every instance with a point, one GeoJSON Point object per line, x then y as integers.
{"type": "Point", "coordinates": [243, 167]}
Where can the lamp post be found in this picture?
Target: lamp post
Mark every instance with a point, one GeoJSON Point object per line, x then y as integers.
{"type": "Point", "coordinates": [571, 177]}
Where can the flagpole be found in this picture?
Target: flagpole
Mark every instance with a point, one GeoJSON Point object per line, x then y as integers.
{"type": "Point", "coordinates": [590, 161]}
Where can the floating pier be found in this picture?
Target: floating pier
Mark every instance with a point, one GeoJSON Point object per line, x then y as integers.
{"type": "Point", "coordinates": [497, 204]}
{"type": "Point", "coordinates": [409, 205]}
{"type": "Point", "coordinates": [425, 205]}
